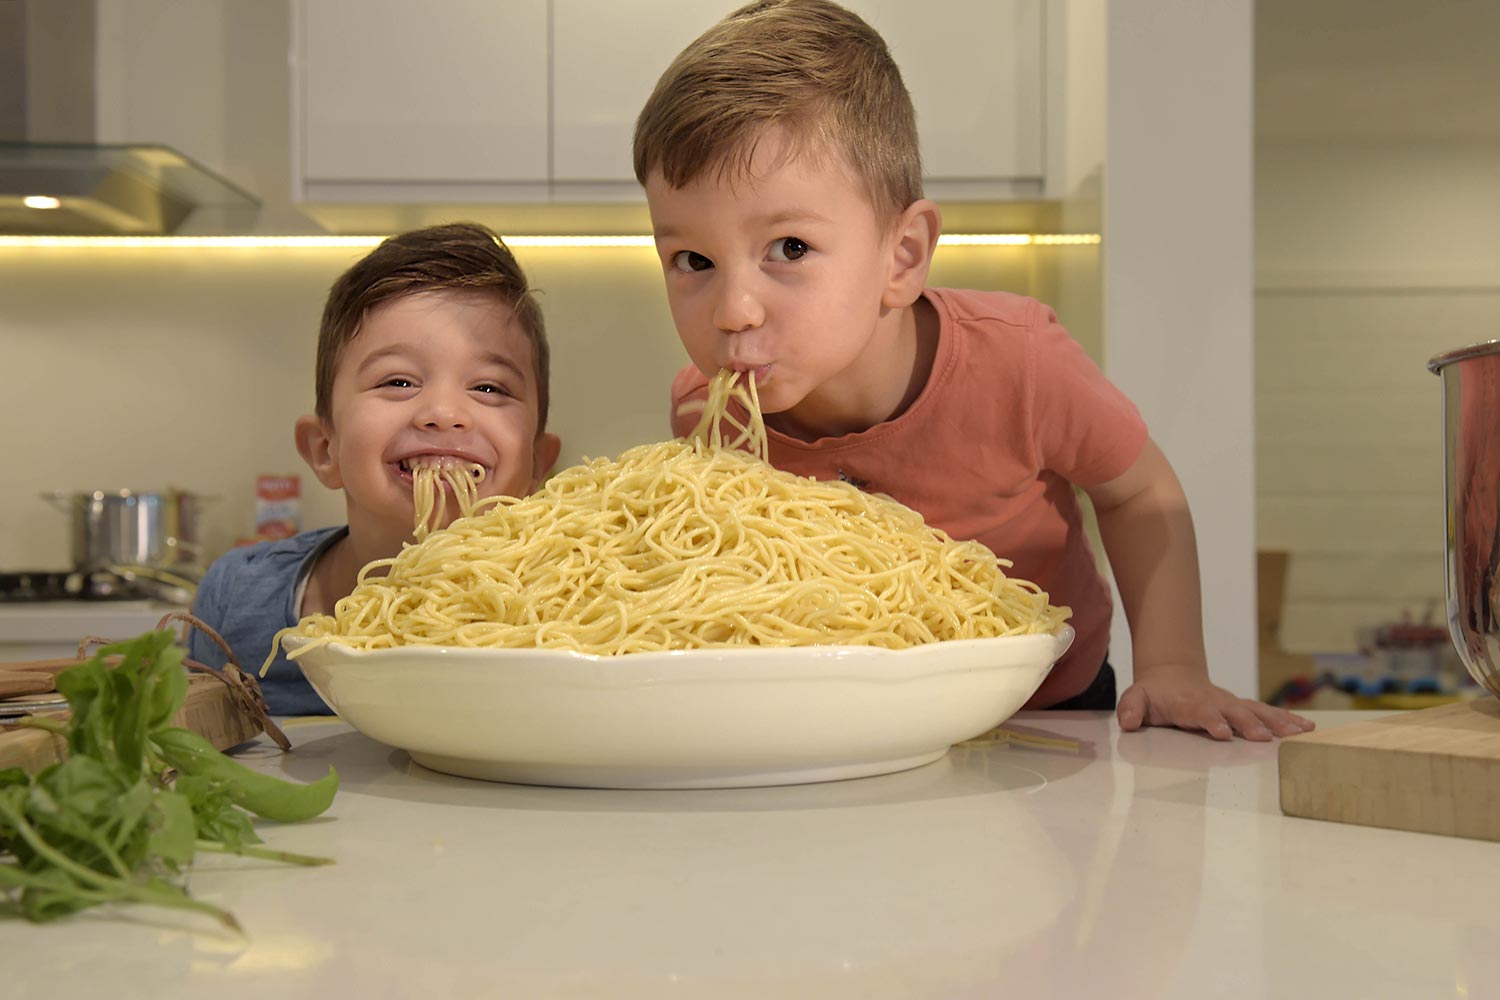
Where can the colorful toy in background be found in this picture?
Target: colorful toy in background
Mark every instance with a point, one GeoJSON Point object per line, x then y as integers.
{"type": "Point", "coordinates": [1395, 665]}
{"type": "Point", "coordinates": [1398, 665]}
{"type": "Point", "coordinates": [1409, 657]}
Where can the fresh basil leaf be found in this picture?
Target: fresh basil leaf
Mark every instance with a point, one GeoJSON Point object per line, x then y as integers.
{"type": "Point", "coordinates": [105, 825]}
{"type": "Point", "coordinates": [173, 832]}
{"type": "Point", "coordinates": [218, 818]}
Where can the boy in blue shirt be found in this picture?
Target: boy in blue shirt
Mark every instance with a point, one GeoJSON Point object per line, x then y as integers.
{"type": "Point", "coordinates": [431, 348]}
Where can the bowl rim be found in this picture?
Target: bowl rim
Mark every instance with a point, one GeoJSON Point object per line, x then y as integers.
{"type": "Point", "coordinates": [1438, 362]}
{"type": "Point", "coordinates": [1064, 635]}
{"type": "Point", "coordinates": [908, 706]}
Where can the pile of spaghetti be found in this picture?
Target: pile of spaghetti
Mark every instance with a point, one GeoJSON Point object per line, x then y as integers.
{"type": "Point", "coordinates": [683, 544]}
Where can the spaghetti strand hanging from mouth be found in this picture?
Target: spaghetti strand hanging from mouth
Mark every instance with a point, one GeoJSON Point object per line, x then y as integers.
{"type": "Point", "coordinates": [432, 482]}
{"type": "Point", "coordinates": [750, 435]}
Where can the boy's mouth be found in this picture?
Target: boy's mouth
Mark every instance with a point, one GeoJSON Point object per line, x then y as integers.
{"type": "Point", "coordinates": [762, 373]}
{"type": "Point", "coordinates": [408, 466]}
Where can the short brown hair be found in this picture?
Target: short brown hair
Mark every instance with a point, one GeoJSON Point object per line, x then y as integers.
{"type": "Point", "coordinates": [462, 255]}
{"type": "Point", "coordinates": [809, 67]}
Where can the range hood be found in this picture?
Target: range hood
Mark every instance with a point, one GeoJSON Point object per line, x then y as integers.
{"type": "Point", "coordinates": [62, 172]}
{"type": "Point", "coordinates": [85, 189]}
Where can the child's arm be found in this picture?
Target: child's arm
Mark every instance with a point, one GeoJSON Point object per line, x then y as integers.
{"type": "Point", "coordinates": [1148, 534]}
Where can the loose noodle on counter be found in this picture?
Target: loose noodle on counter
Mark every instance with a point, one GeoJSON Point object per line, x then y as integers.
{"type": "Point", "coordinates": [683, 544]}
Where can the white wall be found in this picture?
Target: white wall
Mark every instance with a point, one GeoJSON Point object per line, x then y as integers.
{"type": "Point", "coordinates": [1177, 281]}
{"type": "Point", "coordinates": [149, 368]}
{"type": "Point", "coordinates": [1370, 258]}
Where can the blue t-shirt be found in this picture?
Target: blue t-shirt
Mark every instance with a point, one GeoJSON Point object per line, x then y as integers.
{"type": "Point", "coordinates": [250, 594]}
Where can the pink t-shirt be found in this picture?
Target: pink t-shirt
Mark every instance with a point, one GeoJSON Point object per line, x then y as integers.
{"type": "Point", "coordinates": [1013, 415]}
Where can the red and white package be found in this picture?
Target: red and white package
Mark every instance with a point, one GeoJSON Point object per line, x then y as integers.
{"type": "Point", "coordinates": [278, 507]}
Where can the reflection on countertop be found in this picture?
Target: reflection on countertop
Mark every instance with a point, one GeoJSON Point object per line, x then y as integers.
{"type": "Point", "coordinates": [1151, 864]}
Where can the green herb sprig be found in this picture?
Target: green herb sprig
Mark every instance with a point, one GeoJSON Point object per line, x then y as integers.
{"type": "Point", "coordinates": [122, 817]}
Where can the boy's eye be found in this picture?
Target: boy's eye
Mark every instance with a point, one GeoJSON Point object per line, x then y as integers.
{"type": "Point", "coordinates": [493, 388]}
{"type": "Point", "coordinates": [691, 260]}
{"type": "Point", "coordinates": [788, 248]}
{"type": "Point", "coordinates": [398, 382]}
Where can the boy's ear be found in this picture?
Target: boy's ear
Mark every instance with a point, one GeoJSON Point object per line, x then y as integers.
{"type": "Point", "coordinates": [544, 457]}
{"type": "Point", "coordinates": [912, 246]}
{"type": "Point", "coordinates": [315, 445]}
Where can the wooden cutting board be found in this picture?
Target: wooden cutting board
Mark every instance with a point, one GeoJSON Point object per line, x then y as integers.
{"type": "Point", "coordinates": [1432, 771]}
{"type": "Point", "coordinates": [209, 710]}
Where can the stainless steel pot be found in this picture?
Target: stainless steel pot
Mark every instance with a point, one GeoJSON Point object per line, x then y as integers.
{"type": "Point", "coordinates": [123, 529]}
{"type": "Point", "coordinates": [1471, 441]}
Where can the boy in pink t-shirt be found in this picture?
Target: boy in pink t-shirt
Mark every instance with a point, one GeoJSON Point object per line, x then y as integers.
{"type": "Point", "coordinates": [779, 158]}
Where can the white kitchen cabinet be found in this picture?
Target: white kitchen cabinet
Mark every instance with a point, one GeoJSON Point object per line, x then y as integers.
{"type": "Point", "coordinates": [534, 100]}
{"type": "Point", "coordinates": [974, 69]}
{"type": "Point", "coordinates": [398, 101]}
{"type": "Point", "coordinates": [600, 84]}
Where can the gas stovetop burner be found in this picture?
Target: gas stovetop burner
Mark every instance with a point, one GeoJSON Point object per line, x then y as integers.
{"type": "Point", "coordinates": [66, 585]}
{"type": "Point", "coordinates": [48, 585]}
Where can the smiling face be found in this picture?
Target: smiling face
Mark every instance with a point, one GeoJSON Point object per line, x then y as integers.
{"type": "Point", "coordinates": [430, 374]}
{"type": "Point", "coordinates": [789, 273]}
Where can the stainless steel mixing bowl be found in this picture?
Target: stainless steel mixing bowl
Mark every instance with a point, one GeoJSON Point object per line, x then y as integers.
{"type": "Point", "coordinates": [1471, 442]}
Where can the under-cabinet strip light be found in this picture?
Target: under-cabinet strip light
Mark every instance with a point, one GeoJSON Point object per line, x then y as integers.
{"type": "Point", "coordinates": [362, 242]}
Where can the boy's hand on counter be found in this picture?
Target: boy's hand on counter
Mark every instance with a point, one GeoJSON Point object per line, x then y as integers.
{"type": "Point", "coordinates": [1183, 697]}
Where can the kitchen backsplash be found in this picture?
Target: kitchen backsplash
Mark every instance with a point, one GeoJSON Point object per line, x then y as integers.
{"type": "Point", "coordinates": [171, 367]}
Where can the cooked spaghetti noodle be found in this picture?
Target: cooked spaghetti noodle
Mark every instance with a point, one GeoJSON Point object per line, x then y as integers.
{"type": "Point", "coordinates": [430, 483]}
{"type": "Point", "coordinates": [683, 544]}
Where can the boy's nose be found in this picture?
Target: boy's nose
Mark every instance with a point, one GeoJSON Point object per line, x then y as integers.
{"type": "Point", "coordinates": [737, 308]}
{"type": "Point", "coordinates": [441, 410]}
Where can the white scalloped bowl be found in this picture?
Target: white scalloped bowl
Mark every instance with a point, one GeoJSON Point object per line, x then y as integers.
{"type": "Point", "coordinates": [701, 718]}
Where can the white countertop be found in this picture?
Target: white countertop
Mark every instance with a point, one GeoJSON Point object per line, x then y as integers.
{"type": "Point", "coordinates": [1152, 864]}
{"type": "Point", "coordinates": [48, 621]}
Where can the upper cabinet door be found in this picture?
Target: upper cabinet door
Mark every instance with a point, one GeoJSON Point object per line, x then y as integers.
{"type": "Point", "coordinates": [420, 101]}
{"type": "Point", "coordinates": [607, 58]}
{"type": "Point", "coordinates": [531, 100]}
{"type": "Point", "coordinates": [973, 67]}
